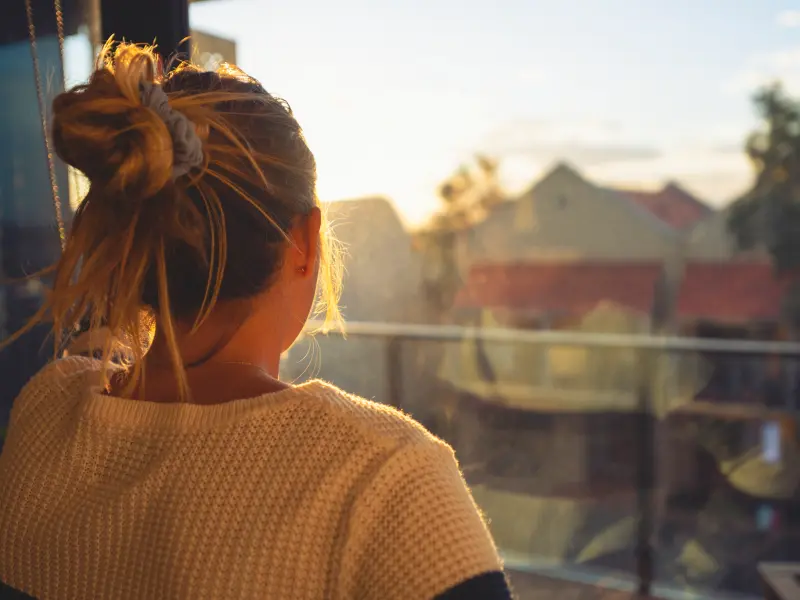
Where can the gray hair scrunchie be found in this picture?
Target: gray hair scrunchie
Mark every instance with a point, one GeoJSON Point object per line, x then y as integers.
{"type": "Point", "coordinates": [187, 148]}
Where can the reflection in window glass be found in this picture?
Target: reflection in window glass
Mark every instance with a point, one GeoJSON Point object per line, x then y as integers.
{"type": "Point", "coordinates": [30, 237]}
{"type": "Point", "coordinates": [574, 196]}
{"type": "Point", "coordinates": [562, 258]}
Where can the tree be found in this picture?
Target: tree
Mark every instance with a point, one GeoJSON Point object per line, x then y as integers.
{"type": "Point", "coordinates": [769, 213]}
{"type": "Point", "coordinates": [466, 197]}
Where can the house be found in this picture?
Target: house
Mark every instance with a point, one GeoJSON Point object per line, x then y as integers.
{"type": "Point", "coordinates": [382, 272]}
{"type": "Point", "coordinates": [736, 300]}
{"type": "Point", "coordinates": [542, 294]}
{"type": "Point", "coordinates": [591, 297]}
{"type": "Point", "coordinates": [672, 204]}
{"type": "Point", "coordinates": [734, 294]}
{"type": "Point", "coordinates": [710, 240]}
{"type": "Point", "coordinates": [713, 299]}
{"type": "Point", "coordinates": [565, 216]}
{"type": "Point", "coordinates": [382, 283]}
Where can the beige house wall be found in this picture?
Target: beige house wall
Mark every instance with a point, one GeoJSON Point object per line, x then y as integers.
{"type": "Point", "coordinates": [710, 240]}
{"type": "Point", "coordinates": [383, 277]}
{"type": "Point", "coordinates": [565, 216]}
{"type": "Point", "coordinates": [382, 283]}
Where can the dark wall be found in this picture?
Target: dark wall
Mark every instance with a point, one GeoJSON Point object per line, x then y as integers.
{"type": "Point", "coordinates": [28, 233]}
{"type": "Point", "coordinates": [14, 24]}
{"type": "Point", "coordinates": [165, 22]}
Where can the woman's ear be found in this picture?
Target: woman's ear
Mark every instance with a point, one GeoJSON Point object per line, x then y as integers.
{"type": "Point", "coordinates": [305, 235]}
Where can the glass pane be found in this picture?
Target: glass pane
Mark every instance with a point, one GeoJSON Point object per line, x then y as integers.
{"type": "Point", "coordinates": [571, 253]}
{"type": "Point", "coordinates": [30, 239]}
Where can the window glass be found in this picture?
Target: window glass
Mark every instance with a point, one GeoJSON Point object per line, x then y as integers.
{"type": "Point", "coordinates": [29, 236]}
{"type": "Point", "coordinates": [588, 221]}
{"type": "Point", "coordinates": [571, 234]}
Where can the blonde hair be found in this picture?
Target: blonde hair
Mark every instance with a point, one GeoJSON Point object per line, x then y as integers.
{"type": "Point", "coordinates": [145, 249]}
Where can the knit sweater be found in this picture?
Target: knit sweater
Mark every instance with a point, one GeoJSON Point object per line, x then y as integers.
{"type": "Point", "coordinates": [306, 493]}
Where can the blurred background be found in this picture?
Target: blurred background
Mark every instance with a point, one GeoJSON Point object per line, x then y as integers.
{"type": "Point", "coordinates": [573, 251]}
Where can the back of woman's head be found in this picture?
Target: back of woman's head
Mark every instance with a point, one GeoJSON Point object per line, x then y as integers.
{"type": "Point", "coordinates": [195, 178]}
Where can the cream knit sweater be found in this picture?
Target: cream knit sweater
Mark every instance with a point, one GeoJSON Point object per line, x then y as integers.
{"type": "Point", "coordinates": [305, 493]}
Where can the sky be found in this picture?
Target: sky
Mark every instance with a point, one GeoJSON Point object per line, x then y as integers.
{"type": "Point", "coordinates": [394, 94]}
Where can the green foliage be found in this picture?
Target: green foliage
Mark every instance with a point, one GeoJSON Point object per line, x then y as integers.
{"type": "Point", "coordinates": [466, 198]}
{"type": "Point", "coordinates": [769, 214]}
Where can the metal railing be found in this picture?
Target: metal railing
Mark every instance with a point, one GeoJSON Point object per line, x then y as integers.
{"type": "Point", "coordinates": [560, 338]}
{"type": "Point", "coordinates": [647, 347]}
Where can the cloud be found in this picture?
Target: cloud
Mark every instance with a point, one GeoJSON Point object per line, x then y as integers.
{"type": "Point", "coordinates": [711, 161]}
{"type": "Point", "coordinates": [788, 19]}
{"type": "Point", "coordinates": [531, 75]}
{"type": "Point", "coordinates": [763, 69]}
{"type": "Point", "coordinates": [584, 154]}
{"type": "Point", "coordinates": [555, 129]}
{"type": "Point", "coordinates": [715, 176]}
{"type": "Point", "coordinates": [583, 142]}
{"type": "Point", "coordinates": [729, 148]}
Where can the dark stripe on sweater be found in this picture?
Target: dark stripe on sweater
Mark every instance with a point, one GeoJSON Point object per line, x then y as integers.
{"type": "Point", "coordinates": [488, 586]}
{"type": "Point", "coordinates": [9, 593]}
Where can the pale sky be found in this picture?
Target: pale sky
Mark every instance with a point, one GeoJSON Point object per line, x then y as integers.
{"type": "Point", "coordinates": [394, 94]}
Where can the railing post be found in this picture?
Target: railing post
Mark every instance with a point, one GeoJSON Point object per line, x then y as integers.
{"type": "Point", "coordinates": [645, 474]}
{"type": "Point", "coordinates": [394, 371]}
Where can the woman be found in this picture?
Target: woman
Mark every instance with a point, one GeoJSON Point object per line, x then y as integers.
{"type": "Point", "coordinates": [177, 464]}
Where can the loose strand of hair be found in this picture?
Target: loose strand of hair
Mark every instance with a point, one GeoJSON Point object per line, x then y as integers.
{"type": "Point", "coordinates": [249, 199]}
{"type": "Point", "coordinates": [218, 253]}
{"type": "Point", "coordinates": [168, 325]}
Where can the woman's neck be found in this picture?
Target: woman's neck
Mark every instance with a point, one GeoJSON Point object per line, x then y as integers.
{"type": "Point", "coordinates": [213, 383]}
{"type": "Point", "coordinates": [228, 357]}
{"type": "Point", "coordinates": [231, 333]}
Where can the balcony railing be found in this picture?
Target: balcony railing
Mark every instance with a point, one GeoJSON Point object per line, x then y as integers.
{"type": "Point", "coordinates": [667, 467]}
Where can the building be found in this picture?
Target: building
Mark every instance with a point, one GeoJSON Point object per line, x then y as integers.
{"type": "Point", "coordinates": [382, 278]}
{"type": "Point", "coordinates": [555, 294]}
{"type": "Point", "coordinates": [710, 240]}
{"type": "Point", "coordinates": [209, 51]}
{"type": "Point", "coordinates": [737, 295]}
{"type": "Point", "coordinates": [564, 216]}
{"type": "Point", "coordinates": [672, 204]}
{"type": "Point", "coordinates": [382, 283]}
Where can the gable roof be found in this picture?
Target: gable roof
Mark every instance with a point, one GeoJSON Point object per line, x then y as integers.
{"type": "Point", "coordinates": [563, 171]}
{"type": "Point", "coordinates": [672, 204]}
{"type": "Point", "coordinates": [574, 288]}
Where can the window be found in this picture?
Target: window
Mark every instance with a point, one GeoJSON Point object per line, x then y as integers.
{"type": "Point", "coordinates": [583, 182]}
{"type": "Point", "coordinates": [29, 237]}
{"type": "Point", "coordinates": [602, 213]}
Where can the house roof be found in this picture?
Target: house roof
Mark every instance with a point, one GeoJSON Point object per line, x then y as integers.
{"type": "Point", "coordinates": [672, 204]}
{"type": "Point", "coordinates": [721, 291]}
{"type": "Point", "coordinates": [670, 209]}
{"type": "Point", "coordinates": [570, 288]}
{"type": "Point", "coordinates": [730, 291]}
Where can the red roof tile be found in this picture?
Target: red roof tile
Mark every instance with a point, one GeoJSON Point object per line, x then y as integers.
{"type": "Point", "coordinates": [730, 292]}
{"type": "Point", "coordinates": [672, 205]}
{"type": "Point", "coordinates": [569, 288]}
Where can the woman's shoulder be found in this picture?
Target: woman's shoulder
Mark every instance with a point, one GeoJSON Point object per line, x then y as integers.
{"type": "Point", "coordinates": [59, 378]}
{"type": "Point", "coordinates": [62, 371]}
{"type": "Point", "coordinates": [372, 419]}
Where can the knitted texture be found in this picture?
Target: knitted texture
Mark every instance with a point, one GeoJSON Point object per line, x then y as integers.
{"type": "Point", "coordinates": [304, 493]}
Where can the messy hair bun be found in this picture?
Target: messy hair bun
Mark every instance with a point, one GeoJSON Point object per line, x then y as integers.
{"type": "Point", "coordinates": [103, 128]}
{"type": "Point", "coordinates": [165, 230]}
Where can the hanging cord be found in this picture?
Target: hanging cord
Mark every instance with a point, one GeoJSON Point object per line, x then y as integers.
{"type": "Point", "coordinates": [51, 166]}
